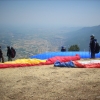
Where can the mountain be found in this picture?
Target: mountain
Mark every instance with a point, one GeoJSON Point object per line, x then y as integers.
{"type": "Point", "coordinates": [81, 37]}
{"type": "Point", "coordinates": [38, 40]}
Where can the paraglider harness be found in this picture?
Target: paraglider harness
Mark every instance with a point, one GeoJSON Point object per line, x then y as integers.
{"type": "Point", "coordinates": [13, 52]}
{"type": "Point", "coordinates": [97, 47]}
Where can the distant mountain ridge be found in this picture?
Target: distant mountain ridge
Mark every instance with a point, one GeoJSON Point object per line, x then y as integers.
{"type": "Point", "coordinates": [82, 37]}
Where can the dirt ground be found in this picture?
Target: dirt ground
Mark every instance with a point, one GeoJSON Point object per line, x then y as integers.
{"type": "Point", "coordinates": [49, 83]}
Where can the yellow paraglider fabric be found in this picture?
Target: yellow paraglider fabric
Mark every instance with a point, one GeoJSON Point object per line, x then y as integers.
{"type": "Point", "coordinates": [22, 63]}
{"type": "Point", "coordinates": [26, 61]}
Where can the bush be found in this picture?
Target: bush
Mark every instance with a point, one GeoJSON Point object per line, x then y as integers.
{"type": "Point", "coordinates": [74, 48]}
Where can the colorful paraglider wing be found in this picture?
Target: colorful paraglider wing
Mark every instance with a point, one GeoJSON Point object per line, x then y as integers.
{"type": "Point", "coordinates": [47, 55]}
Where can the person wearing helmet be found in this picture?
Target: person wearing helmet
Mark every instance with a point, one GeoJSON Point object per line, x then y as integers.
{"type": "Point", "coordinates": [63, 49]}
{"type": "Point", "coordinates": [92, 46]}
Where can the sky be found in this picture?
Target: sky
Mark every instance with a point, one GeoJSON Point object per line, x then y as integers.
{"type": "Point", "coordinates": [55, 13]}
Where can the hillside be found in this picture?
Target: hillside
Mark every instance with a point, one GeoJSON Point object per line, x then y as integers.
{"type": "Point", "coordinates": [82, 37]}
{"type": "Point", "coordinates": [38, 40]}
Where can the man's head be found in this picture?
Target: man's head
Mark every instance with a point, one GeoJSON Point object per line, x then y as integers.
{"type": "Point", "coordinates": [92, 36]}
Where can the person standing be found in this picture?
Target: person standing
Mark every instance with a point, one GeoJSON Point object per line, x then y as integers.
{"type": "Point", "coordinates": [92, 46]}
{"type": "Point", "coordinates": [1, 56]}
{"type": "Point", "coordinates": [9, 53]}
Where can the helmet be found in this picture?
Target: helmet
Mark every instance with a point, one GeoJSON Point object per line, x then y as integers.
{"type": "Point", "coordinates": [92, 36]}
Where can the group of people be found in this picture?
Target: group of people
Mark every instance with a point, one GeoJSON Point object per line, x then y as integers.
{"type": "Point", "coordinates": [92, 46]}
{"type": "Point", "coordinates": [11, 51]}
{"type": "Point", "coordinates": [10, 54]}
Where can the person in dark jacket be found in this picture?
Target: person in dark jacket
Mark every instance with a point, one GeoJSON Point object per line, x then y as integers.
{"type": "Point", "coordinates": [9, 54]}
{"type": "Point", "coordinates": [63, 49]}
{"type": "Point", "coordinates": [1, 56]}
{"type": "Point", "coordinates": [92, 46]}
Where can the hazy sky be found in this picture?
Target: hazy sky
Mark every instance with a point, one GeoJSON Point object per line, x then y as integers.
{"type": "Point", "coordinates": [50, 12]}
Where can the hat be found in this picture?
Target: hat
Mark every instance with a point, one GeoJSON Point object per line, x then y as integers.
{"type": "Point", "coordinates": [92, 36]}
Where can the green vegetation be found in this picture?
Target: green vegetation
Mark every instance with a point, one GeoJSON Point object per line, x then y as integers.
{"type": "Point", "coordinates": [74, 48]}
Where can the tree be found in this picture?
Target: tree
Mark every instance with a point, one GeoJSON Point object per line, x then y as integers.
{"type": "Point", "coordinates": [74, 48]}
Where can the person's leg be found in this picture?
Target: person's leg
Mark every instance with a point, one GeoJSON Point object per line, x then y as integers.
{"type": "Point", "coordinates": [0, 59]}
{"type": "Point", "coordinates": [92, 54]}
{"type": "Point", "coordinates": [10, 58]}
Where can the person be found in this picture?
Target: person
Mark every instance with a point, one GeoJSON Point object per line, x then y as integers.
{"type": "Point", "coordinates": [63, 49]}
{"type": "Point", "coordinates": [92, 46]}
{"type": "Point", "coordinates": [9, 53]}
{"type": "Point", "coordinates": [1, 56]}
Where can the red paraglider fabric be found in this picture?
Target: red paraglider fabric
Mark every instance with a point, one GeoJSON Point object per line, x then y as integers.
{"type": "Point", "coordinates": [62, 59]}
{"type": "Point", "coordinates": [89, 65]}
{"type": "Point", "coordinates": [34, 62]}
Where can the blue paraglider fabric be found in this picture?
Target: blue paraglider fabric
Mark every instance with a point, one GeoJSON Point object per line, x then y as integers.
{"type": "Point", "coordinates": [64, 64]}
{"type": "Point", "coordinates": [47, 55]}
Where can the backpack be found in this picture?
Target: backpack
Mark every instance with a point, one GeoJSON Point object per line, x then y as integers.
{"type": "Point", "coordinates": [97, 48]}
{"type": "Point", "coordinates": [13, 52]}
